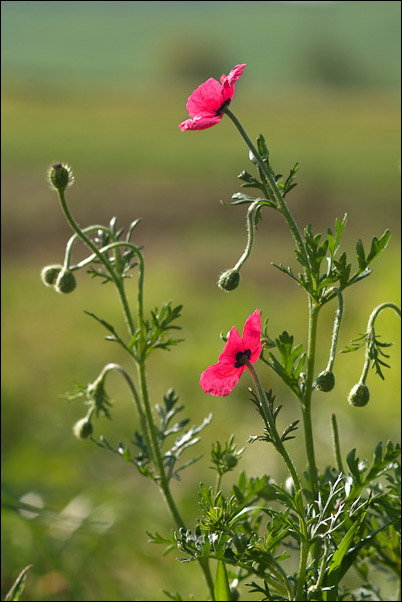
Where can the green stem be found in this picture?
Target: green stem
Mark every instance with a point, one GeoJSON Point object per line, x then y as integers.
{"type": "Point", "coordinates": [313, 308]}
{"type": "Point", "coordinates": [163, 482]}
{"type": "Point", "coordinates": [304, 549]}
{"type": "Point", "coordinates": [281, 204]}
{"type": "Point", "coordinates": [276, 440]}
{"type": "Point", "coordinates": [336, 328]}
{"type": "Point", "coordinates": [71, 242]}
{"type": "Point", "coordinates": [250, 235]}
{"type": "Point", "coordinates": [335, 439]}
{"type": "Point", "coordinates": [306, 401]}
{"type": "Point", "coordinates": [150, 430]}
{"type": "Point", "coordinates": [118, 282]}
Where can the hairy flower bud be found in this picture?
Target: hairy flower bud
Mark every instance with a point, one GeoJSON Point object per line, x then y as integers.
{"type": "Point", "coordinates": [325, 381]}
{"type": "Point", "coordinates": [65, 282]}
{"type": "Point", "coordinates": [49, 274]}
{"type": "Point", "coordinates": [229, 280]}
{"type": "Point", "coordinates": [359, 395]}
{"type": "Point", "coordinates": [83, 428]}
{"type": "Point", "coordinates": [60, 176]}
{"type": "Point", "coordinates": [230, 460]}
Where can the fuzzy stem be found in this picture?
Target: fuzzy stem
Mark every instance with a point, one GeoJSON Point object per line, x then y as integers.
{"type": "Point", "coordinates": [335, 439]}
{"type": "Point", "coordinates": [371, 333]}
{"type": "Point", "coordinates": [118, 282]}
{"type": "Point", "coordinates": [250, 235]}
{"type": "Point", "coordinates": [336, 329]}
{"type": "Point", "coordinates": [306, 401]}
{"type": "Point", "coordinates": [304, 549]}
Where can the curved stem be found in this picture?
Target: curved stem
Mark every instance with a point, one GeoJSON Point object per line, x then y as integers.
{"type": "Point", "coordinates": [71, 242]}
{"type": "Point", "coordinates": [250, 235]}
{"type": "Point", "coordinates": [118, 282]}
{"type": "Point", "coordinates": [371, 333]}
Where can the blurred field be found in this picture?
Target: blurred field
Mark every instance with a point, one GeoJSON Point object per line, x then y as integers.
{"type": "Point", "coordinates": [103, 88]}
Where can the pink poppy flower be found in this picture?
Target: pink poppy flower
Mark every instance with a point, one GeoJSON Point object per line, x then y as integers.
{"type": "Point", "coordinates": [205, 105]}
{"type": "Point", "coordinates": [221, 378]}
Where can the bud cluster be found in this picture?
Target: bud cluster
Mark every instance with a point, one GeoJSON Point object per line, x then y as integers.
{"type": "Point", "coordinates": [62, 279]}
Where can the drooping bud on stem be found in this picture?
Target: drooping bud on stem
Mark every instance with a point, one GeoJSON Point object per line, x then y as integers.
{"type": "Point", "coordinates": [229, 280]}
{"type": "Point", "coordinates": [325, 381]}
{"type": "Point", "coordinates": [49, 274]}
{"type": "Point", "coordinates": [83, 428]}
{"type": "Point", "coordinates": [359, 395]}
{"type": "Point", "coordinates": [65, 282]}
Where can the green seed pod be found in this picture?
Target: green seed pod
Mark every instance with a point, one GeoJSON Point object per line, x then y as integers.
{"type": "Point", "coordinates": [49, 274]}
{"type": "Point", "coordinates": [325, 381]}
{"type": "Point", "coordinates": [65, 282]}
{"type": "Point", "coordinates": [359, 395]}
{"type": "Point", "coordinates": [229, 280]}
{"type": "Point", "coordinates": [60, 176]}
{"type": "Point", "coordinates": [83, 428]}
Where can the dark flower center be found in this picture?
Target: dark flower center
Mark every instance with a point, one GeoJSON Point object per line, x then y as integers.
{"type": "Point", "coordinates": [242, 357]}
{"type": "Point", "coordinates": [223, 105]}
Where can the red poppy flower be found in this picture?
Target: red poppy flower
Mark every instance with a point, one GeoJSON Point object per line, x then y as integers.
{"type": "Point", "coordinates": [205, 105]}
{"type": "Point", "coordinates": [221, 378]}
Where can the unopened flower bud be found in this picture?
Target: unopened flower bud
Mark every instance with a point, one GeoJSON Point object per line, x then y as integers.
{"type": "Point", "coordinates": [83, 428]}
{"type": "Point", "coordinates": [230, 460]}
{"type": "Point", "coordinates": [65, 282]}
{"type": "Point", "coordinates": [229, 280]}
{"type": "Point", "coordinates": [325, 381]}
{"type": "Point", "coordinates": [359, 395]}
{"type": "Point", "coordinates": [49, 274]}
{"type": "Point", "coordinates": [60, 176]}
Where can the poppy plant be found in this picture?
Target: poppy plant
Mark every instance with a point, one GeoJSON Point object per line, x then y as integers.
{"type": "Point", "coordinates": [220, 379]}
{"type": "Point", "coordinates": [206, 104]}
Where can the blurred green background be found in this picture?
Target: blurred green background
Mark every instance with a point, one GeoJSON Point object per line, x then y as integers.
{"type": "Point", "coordinates": [103, 86]}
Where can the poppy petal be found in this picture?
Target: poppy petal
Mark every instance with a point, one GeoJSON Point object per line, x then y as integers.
{"type": "Point", "coordinates": [206, 99]}
{"type": "Point", "coordinates": [234, 344]}
{"type": "Point", "coordinates": [252, 335]}
{"type": "Point", "coordinates": [235, 74]}
{"type": "Point", "coordinates": [200, 123]}
{"type": "Point", "coordinates": [213, 382]}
